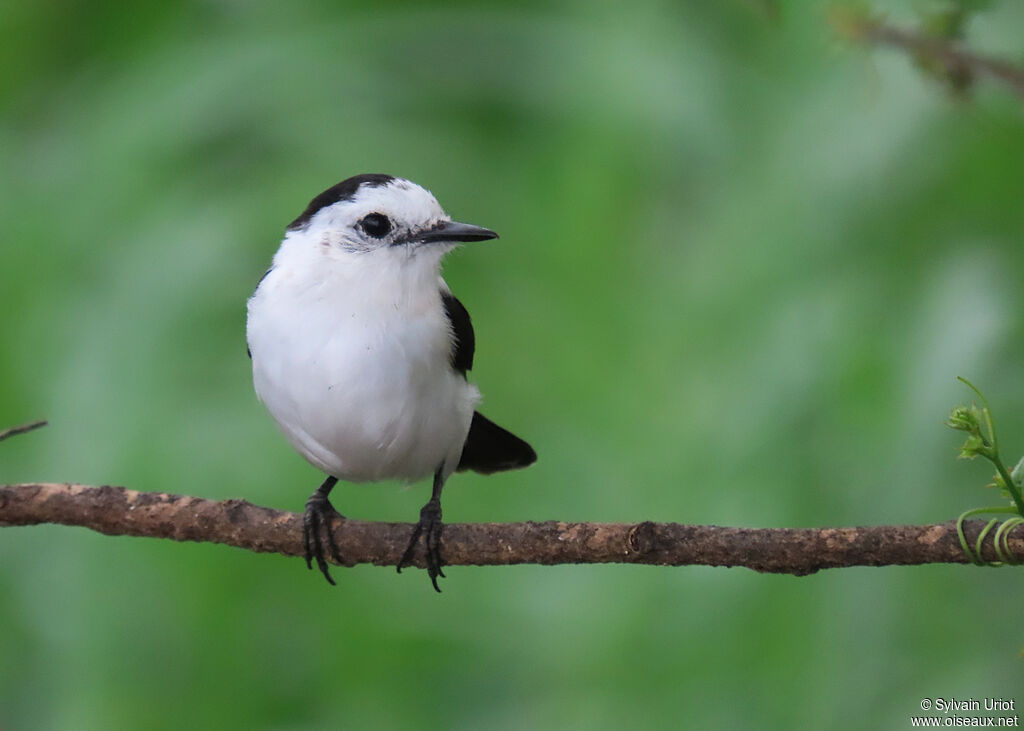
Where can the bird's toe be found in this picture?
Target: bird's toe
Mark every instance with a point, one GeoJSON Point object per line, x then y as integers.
{"type": "Point", "coordinates": [318, 529]}
{"type": "Point", "coordinates": [430, 527]}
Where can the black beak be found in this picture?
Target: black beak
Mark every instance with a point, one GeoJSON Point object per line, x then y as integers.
{"type": "Point", "coordinates": [453, 231]}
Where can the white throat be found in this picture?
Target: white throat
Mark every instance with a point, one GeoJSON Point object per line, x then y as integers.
{"type": "Point", "coordinates": [351, 354]}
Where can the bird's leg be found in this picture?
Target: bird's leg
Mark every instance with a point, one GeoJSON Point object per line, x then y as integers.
{"type": "Point", "coordinates": [320, 514]}
{"type": "Point", "coordinates": [430, 524]}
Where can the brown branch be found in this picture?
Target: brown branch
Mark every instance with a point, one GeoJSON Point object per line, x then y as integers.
{"type": "Point", "coordinates": [959, 64]}
{"type": "Point", "coordinates": [956, 60]}
{"type": "Point", "coordinates": [118, 511]}
{"type": "Point", "coordinates": [16, 430]}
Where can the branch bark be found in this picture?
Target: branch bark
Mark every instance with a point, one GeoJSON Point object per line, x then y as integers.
{"type": "Point", "coordinates": [119, 511]}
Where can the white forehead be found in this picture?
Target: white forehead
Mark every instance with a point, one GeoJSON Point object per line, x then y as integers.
{"type": "Point", "coordinates": [401, 200]}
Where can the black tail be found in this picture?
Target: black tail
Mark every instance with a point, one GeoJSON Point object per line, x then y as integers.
{"type": "Point", "coordinates": [489, 448]}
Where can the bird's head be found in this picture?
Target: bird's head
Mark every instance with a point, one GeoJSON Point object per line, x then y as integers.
{"type": "Point", "coordinates": [379, 216]}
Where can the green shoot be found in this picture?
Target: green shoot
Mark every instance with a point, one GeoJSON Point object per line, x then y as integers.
{"type": "Point", "coordinates": [982, 441]}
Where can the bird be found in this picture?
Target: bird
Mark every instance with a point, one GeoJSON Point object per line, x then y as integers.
{"type": "Point", "coordinates": [360, 352]}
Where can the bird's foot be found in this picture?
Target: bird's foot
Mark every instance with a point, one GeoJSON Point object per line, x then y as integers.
{"type": "Point", "coordinates": [430, 526]}
{"type": "Point", "coordinates": [319, 519]}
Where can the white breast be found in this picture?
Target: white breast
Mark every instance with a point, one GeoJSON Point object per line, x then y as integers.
{"type": "Point", "coordinates": [355, 368]}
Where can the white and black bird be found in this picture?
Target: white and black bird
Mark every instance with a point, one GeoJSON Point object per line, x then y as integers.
{"type": "Point", "coordinates": [360, 352]}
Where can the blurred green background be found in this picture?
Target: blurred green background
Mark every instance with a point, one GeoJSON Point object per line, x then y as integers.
{"type": "Point", "coordinates": [741, 264]}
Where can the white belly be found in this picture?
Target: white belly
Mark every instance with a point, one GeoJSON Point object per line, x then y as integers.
{"type": "Point", "coordinates": [363, 391]}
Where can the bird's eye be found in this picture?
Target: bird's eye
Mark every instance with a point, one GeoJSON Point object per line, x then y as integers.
{"type": "Point", "coordinates": [376, 224]}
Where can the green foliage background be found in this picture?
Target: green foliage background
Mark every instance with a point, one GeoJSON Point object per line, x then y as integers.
{"type": "Point", "coordinates": [740, 267]}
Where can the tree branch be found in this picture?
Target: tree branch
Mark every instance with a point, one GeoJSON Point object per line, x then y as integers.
{"type": "Point", "coordinates": [959, 64]}
{"type": "Point", "coordinates": [118, 511]}
{"type": "Point", "coordinates": [16, 430]}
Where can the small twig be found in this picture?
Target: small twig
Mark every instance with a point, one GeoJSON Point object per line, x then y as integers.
{"type": "Point", "coordinates": [15, 430]}
{"type": "Point", "coordinates": [959, 63]}
{"type": "Point", "coordinates": [952, 56]}
{"type": "Point", "coordinates": [800, 551]}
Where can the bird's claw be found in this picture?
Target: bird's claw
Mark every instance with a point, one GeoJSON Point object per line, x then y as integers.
{"type": "Point", "coordinates": [431, 527]}
{"type": "Point", "coordinates": [319, 518]}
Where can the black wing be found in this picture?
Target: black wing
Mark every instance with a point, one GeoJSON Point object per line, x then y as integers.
{"type": "Point", "coordinates": [462, 329]}
{"type": "Point", "coordinates": [489, 448]}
